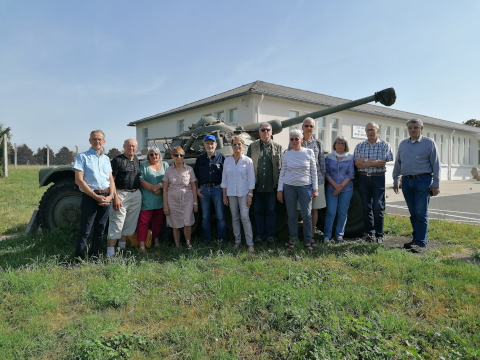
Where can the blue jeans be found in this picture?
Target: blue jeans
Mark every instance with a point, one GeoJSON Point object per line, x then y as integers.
{"type": "Point", "coordinates": [264, 204]}
{"type": "Point", "coordinates": [91, 214]}
{"type": "Point", "coordinates": [372, 191]}
{"type": "Point", "coordinates": [215, 195]}
{"type": "Point", "coordinates": [292, 194]}
{"type": "Point", "coordinates": [336, 203]}
{"type": "Point", "coordinates": [416, 192]}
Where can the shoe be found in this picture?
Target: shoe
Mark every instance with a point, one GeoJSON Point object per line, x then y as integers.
{"type": "Point", "coordinates": [409, 244]}
{"type": "Point", "coordinates": [236, 246]}
{"type": "Point", "coordinates": [270, 240]}
{"type": "Point", "coordinates": [369, 238]}
{"type": "Point", "coordinates": [251, 249]}
{"type": "Point", "coordinates": [257, 240]}
{"type": "Point", "coordinates": [418, 249]}
{"type": "Point", "coordinates": [380, 239]}
{"type": "Point", "coordinates": [188, 245]}
{"type": "Point", "coordinates": [156, 243]}
{"type": "Point", "coordinates": [313, 243]}
{"type": "Point", "coordinates": [290, 245]}
{"type": "Point", "coordinates": [326, 241]}
{"type": "Point", "coordinates": [340, 239]}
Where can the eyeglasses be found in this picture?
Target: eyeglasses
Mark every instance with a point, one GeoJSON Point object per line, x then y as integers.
{"type": "Point", "coordinates": [309, 126]}
{"type": "Point", "coordinates": [96, 139]}
{"type": "Point", "coordinates": [236, 144]}
{"type": "Point", "coordinates": [367, 130]}
{"type": "Point", "coordinates": [413, 127]}
{"type": "Point", "coordinates": [152, 154]}
{"type": "Point", "coordinates": [263, 130]}
{"type": "Point", "coordinates": [294, 139]}
{"type": "Point", "coordinates": [179, 155]}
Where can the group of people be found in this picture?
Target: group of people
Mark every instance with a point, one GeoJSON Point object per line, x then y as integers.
{"type": "Point", "coordinates": [141, 193]}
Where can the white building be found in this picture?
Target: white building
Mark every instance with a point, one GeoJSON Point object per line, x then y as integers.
{"type": "Point", "coordinates": [458, 144]}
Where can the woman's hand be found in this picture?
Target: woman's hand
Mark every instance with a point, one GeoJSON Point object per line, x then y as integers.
{"type": "Point", "coordinates": [195, 208]}
{"type": "Point", "coordinates": [166, 210]}
{"type": "Point", "coordinates": [280, 196]}
{"type": "Point", "coordinates": [314, 194]}
{"type": "Point", "coordinates": [225, 200]}
{"type": "Point", "coordinates": [249, 201]}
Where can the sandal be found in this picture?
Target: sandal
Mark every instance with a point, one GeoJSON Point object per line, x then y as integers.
{"type": "Point", "coordinates": [156, 243]}
{"type": "Point", "coordinates": [188, 245]}
{"type": "Point", "coordinates": [313, 243]}
{"type": "Point", "coordinates": [289, 245]}
{"type": "Point", "coordinates": [141, 247]}
{"type": "Point", "coordinates": [309, 246]}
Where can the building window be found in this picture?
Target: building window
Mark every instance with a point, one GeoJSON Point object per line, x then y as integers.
{"type": "Point", "coordinates": [387, 134]}
{"type": "Point", "coordinates": [320, 128]}
{"type": "Point", "coordinates": [454, 151]}
{"type": "Point", "coordinates": [405, 134]}
{"type": "Point", "coordinates": [145, 137]}
{"type": "Point", "coordinates": [221, 115]}
{"type": "Point", "coordinates": [293, 114]}
{"type": "Point", "coordinates": [469, 154]}
{"type": "Point", "coordinates": [397, 137]}
{"type": "Point", "coordinates": [180, 126]}
{"type": "Point", "coordinates": [334, 125]}
{"type": "Point", "coordinates": [478, 160]}
{"type": "Point", "coordinates": [458, 151]}
{"type": "Point", "coordinates": [441, 150]}
{"type": "Point", "coordinates": [233, 115]}
{"type": "Point", "coordinates": [428, 134]}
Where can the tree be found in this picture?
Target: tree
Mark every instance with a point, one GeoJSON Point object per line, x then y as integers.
{"type": "Point", "coordinates": [113, 152]}
{"type": "Point", "coordinates": [41, 156]}
{"type": "Point", "coordinates": [24, 155]}
{"type": "Point", "coordinates": [472, 122]}
{"type": "Point", "coordinates": [64, 156]}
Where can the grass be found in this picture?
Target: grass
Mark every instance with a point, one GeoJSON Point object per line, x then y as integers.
{"type": "Point", "coordinates": [351, 301]}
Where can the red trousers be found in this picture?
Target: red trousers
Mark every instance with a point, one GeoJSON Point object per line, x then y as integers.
{"type": "Point", "coordinates": [147, 217]}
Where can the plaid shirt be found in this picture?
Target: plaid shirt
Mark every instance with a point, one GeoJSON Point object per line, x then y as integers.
{"type": "Point", "coordinates": [381, 150]}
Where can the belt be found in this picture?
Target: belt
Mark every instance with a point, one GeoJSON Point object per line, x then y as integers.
{"type": "Point", "coordinates": [128, 190]}
{"type": "Point", "coordinates": [210, 185]}
{"type": "Point", "coordinates": [371, 173]}
{"type": "Point", "coordinates": [415, 176]}
{"type": "Point", "coordinates": [105, 191]}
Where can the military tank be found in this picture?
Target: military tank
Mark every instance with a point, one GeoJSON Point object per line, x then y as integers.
{"type": "Point", "coordinates": [60, 205]}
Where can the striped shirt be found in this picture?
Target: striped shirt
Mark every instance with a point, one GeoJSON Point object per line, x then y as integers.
{"type": "Point", "coordinates": [380, 150]}
{"type": "Point", "coordinates": [298, 169]}
{"type": "Point", "coordinates": [317, 147]}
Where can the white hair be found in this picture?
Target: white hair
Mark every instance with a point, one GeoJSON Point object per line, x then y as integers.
{"type": "Point", "coordinates": [296, 132]}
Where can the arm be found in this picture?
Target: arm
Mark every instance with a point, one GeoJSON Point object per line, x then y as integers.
{"type": "Point", "coordinates": [166, 210]}
{"type": "Point", "coordinates": [225, 197]}
{"type": "Point", "coordinates": [436, 167]}
{"type": "Point", "coordinates": [396, 171]}
{"type": "Point", "coordinates": [360, 163]}
{"type": "Point", "coordinates": [86, 189]}
{"type": "Point", "coordinates": [113, 189]}
{"type": "Point", "coordinates": [321, 159]}
{"type": "Point", "coordinates": [313, 176]}
{"type": "Point", "coordinates": [195, 199]}
{"type": "Point", "coordinates": [251, 182]}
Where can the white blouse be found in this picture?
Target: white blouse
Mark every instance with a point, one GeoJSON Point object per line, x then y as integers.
{"type": "Point", "coordinates": [238, 178]}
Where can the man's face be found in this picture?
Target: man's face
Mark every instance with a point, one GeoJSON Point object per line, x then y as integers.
{"type": "Point", "coordinates": [265, 133]}
{"type": "Point", "coordinates": [97, 141]}
{"type": "Point", "coordinates": [414, 130]}
{"type": "Point", "coordinates": [210, 146]}
{"type": "Point", "coordinates": [130, 146]}
{"type": "Point", "coordinates": [372, 134]}
{"type": "Point", "coordinates": [308, 127]}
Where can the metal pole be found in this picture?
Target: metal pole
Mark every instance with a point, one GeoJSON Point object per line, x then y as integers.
{"type": "Point", "coordinates": [48, 155]}
{"type": "Point", "coordinates": [5, 157]}
{"type": "Point", "coordinates": [15, 152]}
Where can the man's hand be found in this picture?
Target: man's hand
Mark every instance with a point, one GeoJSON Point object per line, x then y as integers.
{"type": "Point", "coordinates": [225, 200]}
{"type": "Point", "coordinates": [395, 188]}
{"type": "Point", "coordinates": [117, 204]}
{"type": "Point", "coordinates": [280, 196]}
{"type": "Point", "coordinates": [434, 191]}
{"type": "Point", "coordinates": [103, 200]}
{"type": "Point", "coordinates": [314, 194]}
{"type": "Point", "coordinates": [378, 163]}
{"type": "Point", "coordinates": [199, 193]}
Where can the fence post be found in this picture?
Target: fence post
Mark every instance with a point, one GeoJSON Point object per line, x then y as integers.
{"type": "Point", "coordinates": [5, 157]}
{"type": "Point", "coordinates": [15, 152]}
{"type": "Point", "coordinates": [48, 155]}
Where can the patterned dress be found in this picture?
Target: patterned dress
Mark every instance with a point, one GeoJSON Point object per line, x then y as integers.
{"type": "Point", "coordinates": [180, 196]}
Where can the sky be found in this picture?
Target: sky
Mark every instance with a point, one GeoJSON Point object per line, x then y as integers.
{"type": "Point", "coordinates": [69, 67]}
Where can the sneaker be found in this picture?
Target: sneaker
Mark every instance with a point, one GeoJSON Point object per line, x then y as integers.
{"type": "Point", "coordinates": [380, 239]}
{"type": "Point", "coordinates": [340, 239]}
{"type": "Point", "coordinates": [236, 246]}
{"type": "Point", "coordinates": [409, 244]}
{"type": "Point", "coordinates": [418, 249]}
{"type": "Point", "coordinates": [270, 240]}
{"type": "Point", "coordinates": [251, 249]}
{"type": "Point", "coordinates": [326, 240]}
{"type": "Point", "coordinates": [369, 237]}
{"type": "Point", "coordinates": [257, 240]}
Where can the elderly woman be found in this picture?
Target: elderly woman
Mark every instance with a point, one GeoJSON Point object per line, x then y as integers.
{"type": "Point", "coordinates": [238, 182]}
{"type": "Point", "coordinates": [151, 213]}
{"type": "Point", "coordinates": [298, 180]}
{"type": "Point", "coordinates": [180, 197]}
{"type": "Point", "coordinates": [339, 175]}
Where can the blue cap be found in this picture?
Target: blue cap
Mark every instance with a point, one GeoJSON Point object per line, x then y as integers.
{"type": "Point", "coordinates": [210, 137]}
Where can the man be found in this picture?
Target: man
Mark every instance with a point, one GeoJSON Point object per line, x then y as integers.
{"type": "Point", "coordinates": [309, 142]}
{"type": "Point", "coordinates": [93, 175]}
{"type": "Point", "coordinates": [267, 161]}
{"type": "Point", "coordinates": [418, 163]}
{"type": "Point", "coordinates": [208, 171]}
{"type": "Point", "coordinates": [371, 157]}
{"type": "Point", "coordinates": [128, 197]}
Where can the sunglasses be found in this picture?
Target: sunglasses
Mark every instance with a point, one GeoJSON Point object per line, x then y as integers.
{"type": "Point", "coordinates": [263, 130]}
{"type": "Point", "coordinates": [309, 126]}
{"type": "Point", "coordinates": [179, 155]}
{"type": "Point", "coordinates": [152, 154]}
{"type": "Point", "coordinates": [294, 139]}
{"type": "Point", "coordinates": [236, 144]}
{"type": "Point", "coordinates": [413, 127]}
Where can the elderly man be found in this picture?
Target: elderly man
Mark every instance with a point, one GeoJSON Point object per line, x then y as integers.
{"type": "Point", "coordinates": [128, 198]}
{"type": "Point", "coordinates": [267, 161]}
{"type": "Point", "coordinates": [208, 171]}
{"type": "Point", "coordinates": [93, 175]}
{"type": "Point", "coordinates": [418, 163]}
{"type": "Point", "coordinates": [309, 142]}
{"type": "Point", "coordinates": [371, 157]}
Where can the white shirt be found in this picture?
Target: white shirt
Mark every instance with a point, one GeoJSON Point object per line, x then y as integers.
{"type": "Point", "coordinates": [238, 178]}
{"type": "Point", "coordinates": [298, 169]}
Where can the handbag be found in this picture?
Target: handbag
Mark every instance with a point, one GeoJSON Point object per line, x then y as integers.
{"type": "Point", "coordinates": [133, 240]}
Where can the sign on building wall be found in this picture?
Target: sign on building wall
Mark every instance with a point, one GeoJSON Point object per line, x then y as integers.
{"type": "Point", "coordinates": [358, 131]}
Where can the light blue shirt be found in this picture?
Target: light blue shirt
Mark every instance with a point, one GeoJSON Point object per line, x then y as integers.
{"type": "Point", "coordinates": [238, 178]}
{"type": "Point", "coordinates": [96, 169]}
{"type": "Point", "coordinates": [417, 157]}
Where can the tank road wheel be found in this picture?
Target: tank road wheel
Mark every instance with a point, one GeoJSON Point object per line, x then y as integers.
{"type": "Point", "coordinates": [60, 205]}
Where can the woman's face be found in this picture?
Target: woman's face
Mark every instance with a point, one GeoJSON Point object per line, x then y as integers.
{"type": "Point", "coordinates": [178, 158]}
{"type": "Point", "coordinates": [237, 147]}
{"type": "Point", "coordinates": [295, 142]}
{"type": "Point", "coordinates": [340, 147]}
{"type": "Point", "coordinates": [153, 157]}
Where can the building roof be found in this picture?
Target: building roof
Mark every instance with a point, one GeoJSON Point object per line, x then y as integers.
{"type": "Point", "coordinates": [288, 93]}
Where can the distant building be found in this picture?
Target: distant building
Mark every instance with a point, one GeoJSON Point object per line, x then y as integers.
{"type": "Point", "coordinates": [458, 144]}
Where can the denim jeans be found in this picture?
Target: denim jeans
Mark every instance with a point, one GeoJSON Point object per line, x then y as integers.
{"type": "Point", "coordinates": [239, 209]}
{"type": "Point", "coordinates": [416, 192]}
{"type": "Point", "coordinates": [91, 214]}
{"type": "Point", "coordinates": [264, 204]}
{"type": "Point", "coordinates": [292, 194]}
{"type": "Point", "coordinates": [336, 204]}
{"type": "Point", "coordinates": [215, 195]}
{"type": "Point", "coordinates": [372, 191]}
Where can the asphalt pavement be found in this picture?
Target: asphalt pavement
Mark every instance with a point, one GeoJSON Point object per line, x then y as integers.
{"type": "Point", "coordinates": [459, 200]}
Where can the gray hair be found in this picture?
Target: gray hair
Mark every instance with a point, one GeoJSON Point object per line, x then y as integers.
{"type": "Point", "coordinates": [374, 124]}
{"type": "Point", "coordinates": [296, 132]}
{"type": "Point", "coordinates": [155, 150]}
{"type": "Point", "coordinates": [415, 121]}
{"type": "Point", "coordinates": [264, 124]}
{"type": "Point", "coordinates": [340, 138]}
{"type": "Point", "coordinates": [308, 119]}
{"type": "Point", "coordinates": [97, 131]}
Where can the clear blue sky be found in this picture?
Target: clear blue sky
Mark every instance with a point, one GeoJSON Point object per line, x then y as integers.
{"type": "Point", "coordinates": [68, 67]}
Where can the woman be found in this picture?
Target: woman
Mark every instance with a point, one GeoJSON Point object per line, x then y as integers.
{"type": "Point", "coordinates": [151, 175]}
{"type": "Point", "coordinates": [238, 182]}
{"type": "Point", "coordinates": [298, 179]}
{"type": "Point", "coordinates": [180, 197]}
{"type": "Point", "coordinates": [339, 175]}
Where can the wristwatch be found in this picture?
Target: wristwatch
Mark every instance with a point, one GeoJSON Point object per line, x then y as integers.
{"type": "Point", "coordinates": [250, 194]}
{"type": "Point", "coordinates": [366, 159]}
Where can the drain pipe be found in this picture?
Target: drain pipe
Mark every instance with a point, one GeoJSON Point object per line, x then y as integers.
{"type": "Point", "coordinates": [450, 156]}
{"type": "Point", "coordinates": [258, 109]}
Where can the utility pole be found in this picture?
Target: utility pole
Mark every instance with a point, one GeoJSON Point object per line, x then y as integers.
{"type": "Point", "coordinates": [15, 152]}
{"type": "Point", "coordinates": [5, 157]}
{"type": "Point", "coordinates": [48, 155]}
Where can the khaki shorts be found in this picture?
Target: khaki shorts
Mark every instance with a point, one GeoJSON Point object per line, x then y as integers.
{"type": "Point", "coordinates": [319, 202]}
{"type": "Point", "coordinates": [124, 220]}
